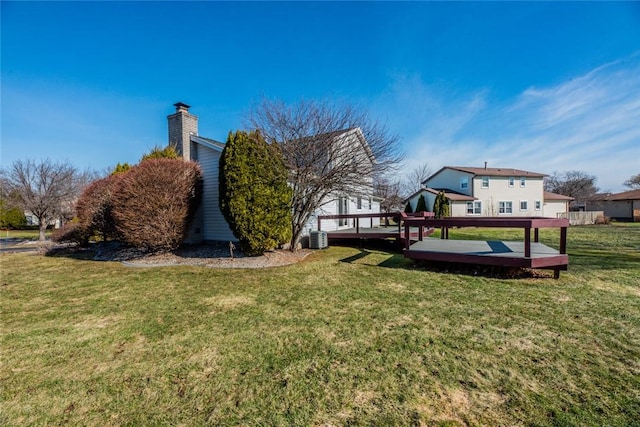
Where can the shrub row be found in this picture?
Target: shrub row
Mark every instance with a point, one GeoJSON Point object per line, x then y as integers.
{"type": "Point", "coordinates": [149, 206]}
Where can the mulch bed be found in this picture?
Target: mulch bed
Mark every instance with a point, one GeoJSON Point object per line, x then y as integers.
{"type": "Point", "coordinates": [216, 254]}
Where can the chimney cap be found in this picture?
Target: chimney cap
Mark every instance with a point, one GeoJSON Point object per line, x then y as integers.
{"type": "Point", "coordinates": [181, 106]}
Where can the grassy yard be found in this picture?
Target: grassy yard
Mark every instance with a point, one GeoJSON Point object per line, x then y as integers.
{"type": "Point", "coordinates": [21, 234]}
{"type": "Point", "coordinates": [347, 337]}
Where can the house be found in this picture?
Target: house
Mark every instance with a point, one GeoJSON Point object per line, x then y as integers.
{"type": "Point", "coordinates": [484, 191]}
{"type": "Point", "coordinates": [32, 220]}
{"type": "Point", "coordinates": [623, 206]}
{"type": "Point", "coordinates": [209, 223]}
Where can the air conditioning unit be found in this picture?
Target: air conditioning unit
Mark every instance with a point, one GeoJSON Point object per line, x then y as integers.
{"type": "Point", "coordinates": [318, 240]}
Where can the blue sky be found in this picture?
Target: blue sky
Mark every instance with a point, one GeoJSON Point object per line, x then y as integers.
{"type": "Point", "coordinates": [539, 86]}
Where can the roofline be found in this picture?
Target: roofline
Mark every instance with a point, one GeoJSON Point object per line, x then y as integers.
{"type": "Point", "coordinates": [436, 191]}
{"type": "Point", "coordinates": [489, 170]}
{"type": "Point", "coordinates": [210, 143]}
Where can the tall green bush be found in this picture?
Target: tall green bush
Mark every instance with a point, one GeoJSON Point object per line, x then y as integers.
{"type": "Point", "coordinates": [11, 217]}
{"type": "Point", "coordinates": [441, 206]}
{"type": "Point", "coordinates": [408, 209]}
{"type": "Point", "coordinates": [422, 204]}
{"type": "Point", "coordinates": [255, 198]}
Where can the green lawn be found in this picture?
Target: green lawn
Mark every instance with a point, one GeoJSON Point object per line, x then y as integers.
{"type": "Point", "coordinates": [21, 234]}
{"type": "Point", "coordinates": [347, 337]}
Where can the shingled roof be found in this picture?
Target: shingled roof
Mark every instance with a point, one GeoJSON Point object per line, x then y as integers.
{"type": "Point", "coordinates": [494, 171]}
{"type": "Point", "coordinates": [625, 195]}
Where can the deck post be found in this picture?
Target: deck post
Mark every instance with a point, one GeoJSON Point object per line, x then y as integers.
{"type": "Point", "coordinates": [527, 242]}
{"type": "Point", "coordinates": [407, 236]}
{"type": "Point", "coordinates": [536, 235]}
{"type": "Point", "coordinates": [357, 226]}
{"type": "Point", "coordinates": [420, 231]}
{"type": "Point", "coordinates": [563, 240]}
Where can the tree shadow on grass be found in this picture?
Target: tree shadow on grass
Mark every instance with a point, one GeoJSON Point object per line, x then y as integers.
{"type": "Point", "coordinates": [601, 259]}
{"type": "Point", "coordinates": [362, 254]}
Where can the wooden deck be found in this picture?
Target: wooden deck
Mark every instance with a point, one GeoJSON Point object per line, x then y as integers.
{"type": "Point", "coordinates": [399, 232]}
{"type": "Point", "coordinates": [510, 254]}
{"type": "Point", "coordinates": [390, 232]}
{"type": "Point", "coordinates": [526, 254]}
{"type": "Point", "coordinates": [412, 231]}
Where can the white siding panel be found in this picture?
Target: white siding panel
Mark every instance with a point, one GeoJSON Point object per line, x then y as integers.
{"type": "Point", "coordinates": [450, 179]}
{"type": "Point", "coordinates": [214, 225]}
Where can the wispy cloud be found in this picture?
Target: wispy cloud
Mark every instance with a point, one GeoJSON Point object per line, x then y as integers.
{"type": "Point", "coordinates": [590, 123]}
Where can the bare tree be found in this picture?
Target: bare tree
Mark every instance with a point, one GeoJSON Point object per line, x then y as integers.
{"type": "Point", "coordinates": [389, 193]}
{"type": "Point", "coordinates": [415, 177]}
{"type": "Point", "coordinates": [633, 182]}
{"type": "Point", "coordinates": [46, 189]}
{"type": "Point", "coordinates": [329, 149]}
{"type": "Point", "coordinates": [577, 184]}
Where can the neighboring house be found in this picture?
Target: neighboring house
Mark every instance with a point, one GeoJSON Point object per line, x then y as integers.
{"type": "Point", "coordinates": [491, 192]}
{"type": "Point", "coordinates": [556, 205]}
{"type": "Point", "coordinates": [623, 206]}
{"type": "Point", "coordinates": [32, 220]}
{"type": "Point", "coordinates": [209, 223]}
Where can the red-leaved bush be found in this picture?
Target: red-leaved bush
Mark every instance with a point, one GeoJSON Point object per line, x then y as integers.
{"type": "Point", "coordinates": [71, 232]}
{"type": "Point", "coordinates": [95, 205]}
{"type": "Point", "coordinates": [155, 202]}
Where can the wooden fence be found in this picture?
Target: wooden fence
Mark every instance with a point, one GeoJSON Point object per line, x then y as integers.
{"type": "Point", "coordinates": [583, 217]}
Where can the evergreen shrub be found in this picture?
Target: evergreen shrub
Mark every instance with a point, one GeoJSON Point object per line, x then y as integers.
{"type": "Point", "coordinates": [422, 204]}
{"type": "Point", "coordinates": [255, 197]}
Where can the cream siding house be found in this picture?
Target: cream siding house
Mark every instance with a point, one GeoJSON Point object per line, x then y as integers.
{"type": "Point", "coordinates": [491, 192]}
{"type": "Point", "coordinates": [623, 206]}
{"type": "Point", "coordinates": [209, 223]}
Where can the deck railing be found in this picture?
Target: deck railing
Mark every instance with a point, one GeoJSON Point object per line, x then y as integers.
{"type": "Point", "coordinates": [526, 223]}
{"type": "Point", "coordinates": [398, 218]}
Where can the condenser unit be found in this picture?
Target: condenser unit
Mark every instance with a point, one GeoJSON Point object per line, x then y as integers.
{"type": "Point", "coordinates": [318, 240]}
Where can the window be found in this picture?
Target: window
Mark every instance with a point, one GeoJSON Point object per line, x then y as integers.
{"type": "Point", "coordinates": [524, 205]}
{"type": "Point", "coordinates": [369, 203]}
{"type": "Point", "coordinates": [538, 205]}
{"type": "Point", "coordinates": [359, 202]}
{"type": "Point", "coordinates": [464, 183]}
{"type": "Point", "coordinates": [512, 181]}
{"type": "Point", "coordinates": [505, 207]}
{"type": "Point", "coordinates": [485, 182]}
{"type": "Point", "coordinates": [522, 181]}
{"type": "Point", "coordinates": [343, 209]}
{"type": "Point", "coordinates": [474, 208]}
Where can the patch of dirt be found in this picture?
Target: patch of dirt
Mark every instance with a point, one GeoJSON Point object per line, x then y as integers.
{"type": "Point", "coordinates": [215, 255]}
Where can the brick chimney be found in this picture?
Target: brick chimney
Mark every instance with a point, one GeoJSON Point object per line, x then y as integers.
{"type": "Point", "coordinates": [182, 125]}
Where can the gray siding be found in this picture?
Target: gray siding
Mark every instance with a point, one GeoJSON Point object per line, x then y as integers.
{"type": "Point", "coordinates": [214, 226]}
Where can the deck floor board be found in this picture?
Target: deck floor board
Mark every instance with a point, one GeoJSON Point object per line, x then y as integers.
{"type": "Point", "coordinates": [490, 252]}
{"type": "Point", "coordinates": [483, 248]}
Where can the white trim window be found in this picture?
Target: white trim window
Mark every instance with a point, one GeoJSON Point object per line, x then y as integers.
{"type": "Point", "coordinates": [474, 208]}
{"type": "Point", "coordinates": [370, 203]}
{"type": "Point", "coordinates": [464, 182]}
{"type": "Point", "coordinates": [523, 182]}
{"type": "Point", "coordinates": [538, 205]}
{"type": "Point", "coordinates": [359, 203]}
{"type": "Point", "coordinates": [512, 181]}
{"type": "Point", "coordinates": [524, 205]}
{"type": "Point", "coordinates": [505, 207]}
{"type": "Point", "coordinates": [485, 182]}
